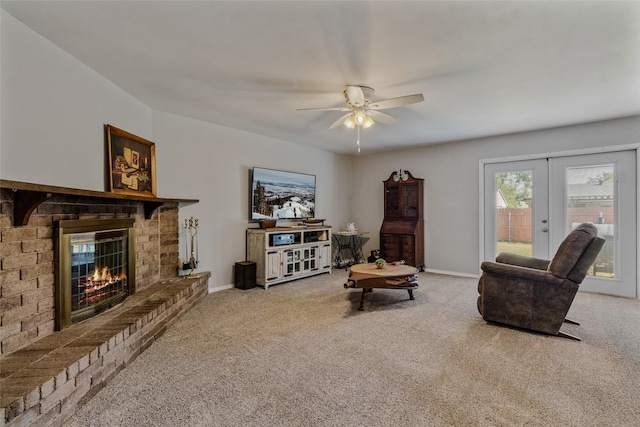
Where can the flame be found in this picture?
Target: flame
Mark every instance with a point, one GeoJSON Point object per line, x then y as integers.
{"type": "Point", "coordinates": [102, 277]}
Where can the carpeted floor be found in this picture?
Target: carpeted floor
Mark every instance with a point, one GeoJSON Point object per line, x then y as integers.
{"type": "Point", "coordinates": [301, 354]}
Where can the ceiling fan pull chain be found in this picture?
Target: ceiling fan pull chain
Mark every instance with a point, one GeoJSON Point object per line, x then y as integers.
{"type": "Point", "coordinates": [358, 140]}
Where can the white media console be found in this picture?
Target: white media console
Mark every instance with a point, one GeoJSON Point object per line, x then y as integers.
{"type": "Point", "coordinates": [288, 253]}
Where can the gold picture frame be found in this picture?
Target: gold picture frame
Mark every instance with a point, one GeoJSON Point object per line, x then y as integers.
{"type": "Point", "coordinates": [132, 163]}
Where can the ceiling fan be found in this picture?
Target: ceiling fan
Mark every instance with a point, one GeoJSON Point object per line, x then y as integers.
{"type": "Point", "coordinates": [362, 110]}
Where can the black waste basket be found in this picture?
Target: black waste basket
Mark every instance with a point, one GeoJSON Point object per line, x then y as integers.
{"type": "Point", "coordinates": [245, 274]}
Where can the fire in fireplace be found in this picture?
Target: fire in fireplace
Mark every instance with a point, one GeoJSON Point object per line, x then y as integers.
{"type": "Point", "coordinates": [95, 265]}
{"type": "Point", "coordinates": [97, 287]}
{"type": "Point", "coordinates": [104, 254]}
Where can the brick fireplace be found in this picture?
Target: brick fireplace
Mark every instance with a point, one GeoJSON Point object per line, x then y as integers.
{"type": "Point", "coordinates": [27, 274]}
{"type": "Point", "coordinates": [45, 374]}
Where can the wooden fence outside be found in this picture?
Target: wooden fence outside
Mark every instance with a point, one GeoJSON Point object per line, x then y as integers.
{"type": "Point", "coordinates": [514, 224]}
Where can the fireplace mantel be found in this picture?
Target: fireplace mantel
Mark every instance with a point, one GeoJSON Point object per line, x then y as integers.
{"type": "Point", "coordinates": [28, 196]}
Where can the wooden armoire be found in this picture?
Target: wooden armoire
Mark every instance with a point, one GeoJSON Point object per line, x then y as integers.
{"type": "Point", "coordinates": [402, 231]}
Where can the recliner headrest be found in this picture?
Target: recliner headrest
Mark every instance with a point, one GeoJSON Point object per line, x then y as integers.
{"type": "Point", "coordinates": [571, 249]}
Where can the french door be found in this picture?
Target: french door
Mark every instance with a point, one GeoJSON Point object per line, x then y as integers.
{"type": "Point", "coordinates": [516, 208]}
{"type": "Point", "coordinates": [530, 206]}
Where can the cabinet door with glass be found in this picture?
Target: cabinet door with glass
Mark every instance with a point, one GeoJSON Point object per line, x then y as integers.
{"type": "Point", "coordinates": [392, 200]}
{"type": "Point", "coordinates": [410, 201]}
{"type": "Point", "coordinates": [309, 259]}
{"type": "Point", "coordinates": [292, 262]}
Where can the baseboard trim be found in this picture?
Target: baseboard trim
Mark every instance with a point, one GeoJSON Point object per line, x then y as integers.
{"type": "Point", "coordinates": [452, 273]}
{"type": "Point", "coordinates": [213, 289]}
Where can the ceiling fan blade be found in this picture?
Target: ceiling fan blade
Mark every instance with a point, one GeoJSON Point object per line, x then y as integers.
{"type": "Point", "coordinates": [355, 95]}
{"type": "Point", "coordinates": [396, 102]}
{"type": "Point", "coordinates": [339, 121]}
{"type": "Point", "coordinates": [381, 117]}
{"type": "Point", "coordinates": [325, 109]}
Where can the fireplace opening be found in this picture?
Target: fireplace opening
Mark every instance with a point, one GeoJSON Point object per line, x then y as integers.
{"type": "Point", "coordinates": [95, 267]}
{"type": "Point", "coordinates": [98, 272]}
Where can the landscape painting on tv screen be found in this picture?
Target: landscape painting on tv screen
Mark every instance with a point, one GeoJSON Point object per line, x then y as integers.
{"type": "Point", "coordinates": [278, 194]}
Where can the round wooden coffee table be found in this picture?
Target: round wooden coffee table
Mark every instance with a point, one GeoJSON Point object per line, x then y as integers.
{"type": "Point", "coordinates": [369, 276]}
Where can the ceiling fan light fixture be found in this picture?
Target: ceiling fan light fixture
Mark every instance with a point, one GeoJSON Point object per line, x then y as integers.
{"type": "Point", "coordinates": [360, 106]}
{"type": "Point", "coordinates": [360, 118]}
{"type": "Point", "coordinates": [368, 122]}
{"type": "Point", "coordinates": [350, 121]}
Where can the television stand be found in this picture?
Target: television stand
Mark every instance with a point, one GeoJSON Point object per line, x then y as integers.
{"type": "Point", "coordinates": [283, 254]}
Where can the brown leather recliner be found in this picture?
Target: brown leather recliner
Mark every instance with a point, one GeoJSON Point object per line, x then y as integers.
{"type": "Point", "coordinates": [536, 294]}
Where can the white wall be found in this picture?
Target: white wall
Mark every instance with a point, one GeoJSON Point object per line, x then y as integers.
{"type": "Point", "coordinates": [53, 112]}
{"type": "Point", "coordinates": [451, 174]}
{"type": "Point", "coordinates": [211, 163]}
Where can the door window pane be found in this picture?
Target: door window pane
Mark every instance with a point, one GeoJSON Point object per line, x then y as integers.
{"type": "Point", "coordinates": [514, 212]}
{"type": "Point", "coordinates": [590, 198]}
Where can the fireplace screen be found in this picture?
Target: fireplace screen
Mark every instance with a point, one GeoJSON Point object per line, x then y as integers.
{"type": "Point", "coordinates": [94, 262]}
{"type": "Point", "coordinates": [98, 270]}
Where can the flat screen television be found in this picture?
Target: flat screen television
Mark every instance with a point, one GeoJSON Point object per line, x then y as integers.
{"type": "Point", "coordinates": [277, 194]}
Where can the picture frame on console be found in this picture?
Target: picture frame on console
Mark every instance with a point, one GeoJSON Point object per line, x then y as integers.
{"type": "Point", "coordinates": [131, 163]}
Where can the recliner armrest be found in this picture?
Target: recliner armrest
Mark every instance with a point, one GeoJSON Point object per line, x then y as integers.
{"type": "Point", "coordinates": [523, 261]}
{"type": "Point", "coordinates": [522, 273]}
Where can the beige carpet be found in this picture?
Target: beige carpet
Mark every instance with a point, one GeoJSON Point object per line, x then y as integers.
{"type": "Point", "coordinates": [300, 354]}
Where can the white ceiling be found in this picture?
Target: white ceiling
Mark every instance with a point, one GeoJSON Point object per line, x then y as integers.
{"type": "Point", "coordinates": [485, 68]}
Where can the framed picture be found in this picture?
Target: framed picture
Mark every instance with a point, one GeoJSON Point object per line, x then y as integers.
{"type": "Point", "coordinates": [132, 163]}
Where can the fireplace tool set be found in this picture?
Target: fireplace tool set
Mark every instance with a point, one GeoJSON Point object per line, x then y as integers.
{"type": "Point", "coordinates": [191, 245]}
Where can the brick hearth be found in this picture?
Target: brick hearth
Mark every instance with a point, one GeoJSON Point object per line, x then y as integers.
{"type": "Point", "coordinates": [45, 381]}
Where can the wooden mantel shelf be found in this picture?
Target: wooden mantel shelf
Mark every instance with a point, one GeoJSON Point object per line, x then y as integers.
{"type": "Point", "coordinates": [28, 196]}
